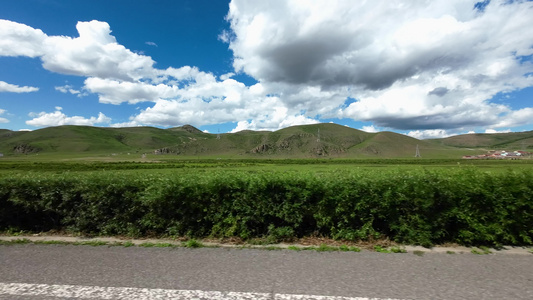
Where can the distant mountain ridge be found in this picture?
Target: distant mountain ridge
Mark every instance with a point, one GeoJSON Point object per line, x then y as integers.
{"type": "Point", "coordinates": [302, 141]}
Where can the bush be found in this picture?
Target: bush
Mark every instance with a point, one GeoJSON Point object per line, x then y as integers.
{"type": "Point", "coordinates": [464, 206]}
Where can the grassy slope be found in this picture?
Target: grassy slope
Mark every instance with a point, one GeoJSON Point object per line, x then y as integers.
{"type": "Point", "coordinates": [61, 139]}
{"type": "Point", "coordinates": [292, 142]}
{"type": "Point", "coordinates": [92, 139]}
{"type": "Point", "coordinates": [512, 140]}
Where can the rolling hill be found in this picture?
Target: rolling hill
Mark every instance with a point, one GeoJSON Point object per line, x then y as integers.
{"type": "Point", "coordinates": [304, 141]}
{"type": "Point", "coordinates": [496, 141]}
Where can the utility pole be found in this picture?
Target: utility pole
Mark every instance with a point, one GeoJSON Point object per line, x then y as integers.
{"type": "Point", "coordinates": [318, 136]}
{"type": "Point", "coordinates": [417, 154]}
{"type": "Point", "coordinates": [218, 135]}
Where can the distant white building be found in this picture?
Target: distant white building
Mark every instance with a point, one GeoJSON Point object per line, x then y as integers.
{"type": "Point", "coordinates": [1, 154]}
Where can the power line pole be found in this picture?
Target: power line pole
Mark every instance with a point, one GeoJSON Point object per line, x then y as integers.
{"type": "Point", "coordinates": [318, 136]}
{"type": "Point", "coordinates": [218, 135]}
{"type": "Point", "coordinates": [417, 154]}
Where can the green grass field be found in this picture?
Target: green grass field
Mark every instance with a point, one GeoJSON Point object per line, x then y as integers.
{"type": "Point", "coordinates": [166, 163]}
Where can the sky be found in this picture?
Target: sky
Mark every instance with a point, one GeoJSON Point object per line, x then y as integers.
{"type": "Point", "coordinates": [424, 68]}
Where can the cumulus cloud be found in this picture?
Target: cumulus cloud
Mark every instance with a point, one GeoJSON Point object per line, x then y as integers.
{"type": "Point", "coordinates": [496, 131]}
{"type": "Point", "coordinates": [226, 76]}
{"type": "Point", "coordinates": [369, 44]}
{"type": "Point", "coordinates": [428, 67]}
{"type": "Point", "coordinates": [218, 102]}
{"type": "Point", "coordinates": [516, 118]}
{"type": "Point", "coordinates": [180, 95]}
{"type": "Point", "coordinates": [115, 92]}
{"type": "Point", "coordinates": [429, 134]}
{"type": "Point", "coordinates": [408, 64]}
{"type": "Point", "coordinates": [94, 53]}
{"type": "Point", "coordinates": [278, 120]}
{"type": "Point", "coordinates": [370, 128]}
{"type": "Point", "coordinates": [12, 88]}
{"type": "Point", "coordinates": [405, 107]}
{"type": "Point", "coordinates": [20, 40]}
{"type": "Point", "coordinates": [58, 118]}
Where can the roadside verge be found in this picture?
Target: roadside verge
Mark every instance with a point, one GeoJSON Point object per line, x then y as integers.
{"type": "Point", "coordinates": [323, 247]}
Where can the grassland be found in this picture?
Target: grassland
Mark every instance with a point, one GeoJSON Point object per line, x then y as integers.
{"type": "Point", "coordinates": [297, 142]}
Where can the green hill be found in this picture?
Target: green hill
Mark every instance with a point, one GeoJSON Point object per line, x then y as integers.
{"type": "Point", "coordinates": [304, 141]}
{"type": "Point", "coordinates": [75, 139]}
{"type": "Point", "coordinates": [495, 141]}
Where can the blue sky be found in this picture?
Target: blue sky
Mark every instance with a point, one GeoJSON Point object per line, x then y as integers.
{"type": "Point", "coordinates": [423, 69]}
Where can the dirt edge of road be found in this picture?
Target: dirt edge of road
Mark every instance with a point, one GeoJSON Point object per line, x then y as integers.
{"type": "Point", "coordinates": [317, 245]}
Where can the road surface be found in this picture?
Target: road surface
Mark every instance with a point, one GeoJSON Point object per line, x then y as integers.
{"type": "Point", "coordinates": [33, 271]}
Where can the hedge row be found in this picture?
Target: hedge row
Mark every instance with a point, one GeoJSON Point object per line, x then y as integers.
{"type": "Point", "coordinates": [464, 206]}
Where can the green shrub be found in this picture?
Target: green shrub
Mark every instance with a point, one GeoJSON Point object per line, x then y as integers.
{"type": "Point", "coordinates": [458, 205]}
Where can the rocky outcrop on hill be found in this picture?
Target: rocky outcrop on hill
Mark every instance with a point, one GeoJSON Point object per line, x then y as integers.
{"type": "Point", "coordinates": [261, 148]}
{"type": "Point", "coordinates": [24, 149]}
{"type": "Point", "coordinates": [326, 150]}
{"type": "Point", "coordinates": [165, 150]}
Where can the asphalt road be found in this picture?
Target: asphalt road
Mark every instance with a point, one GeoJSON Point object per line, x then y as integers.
{"type": "Point", "coordinates": [74, 272]}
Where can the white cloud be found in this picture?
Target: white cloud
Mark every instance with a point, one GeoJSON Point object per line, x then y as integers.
{"type": "Point", "coordinates": [94, 53]}
{"type": "Point", "coordinates": [370, 44]}
{"type": "Point", "coordinates": [409, 64]}
{"type": "Point", "coordinates": [181, 74]}
{"type": "Point", "coordinates": [278, 121]}
{"type": "Point", "coordinates": [20, 40]}
{"type": "Point", "coordinates": [429, 67]}
{"type": "Point", "coordinates": [406, 106]}
{"type": "Point", "coordinates": [125, 124]}
{"type": "Point", "coordinates": [516, 118]}
{"type": "Point", "coordinates": [68, 89]}
{"type": "Point", "coordinates": [370, 128]}
{"type": "Point", "coordinates": [151, 44]}
{"type": "Point", "coordinates": [496, 131]}
{"type": "Point", "coordinates": [115, 92]}
{"type": "Point", "coordinates": [226, 76]}
{"type": "Point", "coordinates": [429, 134]}
{"type": "Point", "coordinates": [197, 111]}
{"type": "Point", "coordinates": [3, 120]}
{"type": "Point", "coordinates": [12, 88]}
{"type": "Point", "coordinates": [180, 95]}
{"type": "Point", "coordinates": [58, 118]}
